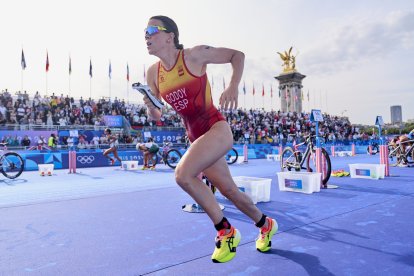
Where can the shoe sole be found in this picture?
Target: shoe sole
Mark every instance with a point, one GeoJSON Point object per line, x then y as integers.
{"type": "Point", "coordinates": [231, 255]}
{"type": "Point", "coordinates": [145, 90]}
{"type": "Point", "coordinates": [272, 232]}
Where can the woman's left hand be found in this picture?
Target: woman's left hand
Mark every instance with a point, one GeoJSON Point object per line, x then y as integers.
{"type": "Point", "coordinates": [229, 98]}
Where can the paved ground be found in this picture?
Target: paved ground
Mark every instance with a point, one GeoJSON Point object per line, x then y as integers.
{"type": "Point", "coordinates": [106, 221]}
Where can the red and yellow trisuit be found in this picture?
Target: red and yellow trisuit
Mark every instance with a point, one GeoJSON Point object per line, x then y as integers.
{"type": "Point", "coordinates": [190, 96]}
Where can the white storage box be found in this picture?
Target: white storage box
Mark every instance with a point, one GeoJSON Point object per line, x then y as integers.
{"type": "Point", "coordinates": [258, 189]}
{"type": "Point", "coordinates": [302, 182]}
{"type": "Point", "coordinates": [46, 169]}
{"type": "Point", "coordinates": [369, 171]}
{"type": "Point", "coordinates": [130, 165]}
{"type": "Point", "coordinates": [343, 153]}
{"type": "Point", "coordinates": [272, 157]}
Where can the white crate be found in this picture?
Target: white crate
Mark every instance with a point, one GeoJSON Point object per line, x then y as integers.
{"type": "Point", "coordinates": [343, 153]}
{"type": "Point", "coordinates": [130, 165]}
{"type": "Point", "coordinates": [46, 169]}
{"type": "Point", "coordinates": [302, 182]}
{"type": "Point", "coordinates": [272, 157]}
{"type": "Point", "coordinates": [368, 171]}
{"type": "Point", "coordinates": [258, 189]}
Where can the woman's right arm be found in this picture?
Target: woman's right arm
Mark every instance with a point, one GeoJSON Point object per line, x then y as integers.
{"type": "Point", "coordinates": [152, 75]}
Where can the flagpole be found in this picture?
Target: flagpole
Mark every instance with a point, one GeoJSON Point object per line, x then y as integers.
{"type": "Point", "coordinates": [46, 84]}
{"type": "Point", "coordinates": [70, 71]}
{"type": "Point", "coordinates": [22, 80]}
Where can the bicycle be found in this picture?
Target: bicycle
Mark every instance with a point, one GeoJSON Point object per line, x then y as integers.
{"type": "Point", "coordinates": [167, 155]}
{"type": "Point", "coordinates": [374, 148]}
{"type": "Point", "coordinates": [295, 159]}
{"type": "Point", "coordinates": [397, 150]}
{"type": "Point", "coordinates": [231, 156]}
{"type": "Point", "coordinates": [11, 163]}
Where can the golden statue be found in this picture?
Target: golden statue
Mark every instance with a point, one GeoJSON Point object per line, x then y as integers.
{"type": "Point", "coordinates": [289, 61]}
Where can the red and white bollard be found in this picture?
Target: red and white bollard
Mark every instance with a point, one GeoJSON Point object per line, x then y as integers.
{"type": "Point", "coordinates": [384, 159]}
{"type": "Point", "coordinates": [333, 151]}
{"type": "Point", "coordinates": [72, 161]}
{"type": "Point", "coordinates": [318, 161]}
{"type": "Point", "coordinates": [245, 153]}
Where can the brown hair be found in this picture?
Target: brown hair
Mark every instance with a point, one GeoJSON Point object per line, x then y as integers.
{"type": "Point", "coordinates": [171, 27]}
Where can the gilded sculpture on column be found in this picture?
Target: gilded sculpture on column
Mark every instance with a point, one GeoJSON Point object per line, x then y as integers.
{"type": "Point", "coordinates": [289, 61]}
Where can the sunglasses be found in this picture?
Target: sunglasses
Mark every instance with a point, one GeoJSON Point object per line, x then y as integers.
{"type": "Point", "coordinates": [152, 30]}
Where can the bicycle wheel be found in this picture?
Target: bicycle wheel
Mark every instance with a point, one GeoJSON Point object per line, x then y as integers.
{"type": "Point", "coordinates": [375, 149]}
{"type": "Point", "coordinates": [326, 166]}
{"type": "Point", "coordinates": [231, 156]}
{"type": "Point", "coordinates": [173, 157]}
{"type": "Point", "coordinates": [288, 160]}
{"type": "Point", "coordinates": [11, 165]}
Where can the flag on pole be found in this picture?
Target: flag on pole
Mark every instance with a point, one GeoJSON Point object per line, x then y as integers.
{"type": "Point", "coordinates": [253, 90]}
{"type": "Point", "coordinates": [23, 61]}
{"type": "Point", "coordinates": [224, 84]}
{"type": "Point", "coordinates": [308, 95]}
{"type": "Point", "coordinates": [90, 68]}
{"type": "Point", "coordinates": [263, 90]}
{"type": "Point", "coordinates": [244, 87]}
{"type": "Point", "coordinates": [271, 91]}
{"type": "Point", "coordinates": [127, 72]}
{"type": "Point", "coordinates": [47, 61]}
{"type": "Point", "coordinates": [70, 66]}
{"type": "Point", "coordinates": [110, 70]}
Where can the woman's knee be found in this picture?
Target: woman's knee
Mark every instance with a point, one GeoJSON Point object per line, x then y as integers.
{"type": "Point", "coordinates": [229, 191]}
{"type": "Point", "coordinates": [182, 177]}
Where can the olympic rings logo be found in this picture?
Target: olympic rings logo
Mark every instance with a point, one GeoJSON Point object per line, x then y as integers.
{"type": "Point", "coordinates": [85, 159]}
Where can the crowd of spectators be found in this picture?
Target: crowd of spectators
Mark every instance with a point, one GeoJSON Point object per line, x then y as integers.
{"type": "Point", "coordinates": [253, 126]}
{"type": "Point", "coordinates": [258, 126]}
{"type": "Point", "coordinates": [22, 109]}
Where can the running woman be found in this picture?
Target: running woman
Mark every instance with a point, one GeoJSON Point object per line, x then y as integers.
{"type": "Point", "coordinates": [113, 146]}
{"type": "Point", "coordinates": [180, 78]}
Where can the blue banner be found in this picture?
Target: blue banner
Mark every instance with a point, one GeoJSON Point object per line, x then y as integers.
{"type": "Point", "coordinates": [161, 136]}
{"type": "Point", "coordinates": [113, 121]}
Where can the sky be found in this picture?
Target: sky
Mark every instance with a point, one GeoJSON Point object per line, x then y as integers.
{"type": "Point", "coordinates": [358, 56]}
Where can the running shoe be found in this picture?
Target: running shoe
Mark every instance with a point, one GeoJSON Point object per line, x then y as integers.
{"type": "Point", "coordinates": [146, 91]}
{"type": "Point", "coordinates": [264, 241]}
{"type": "Point", "coordinates": [145, 167]}
{"type": "Point", "coordinates": [226, 245]}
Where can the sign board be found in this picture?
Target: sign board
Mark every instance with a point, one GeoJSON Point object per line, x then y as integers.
{"type": "Point", "coordinates": [316, 116]}
{"type": "Point", "coordinates": [379, 121]}
{"type": "Point", "coordinates": [113, 120]}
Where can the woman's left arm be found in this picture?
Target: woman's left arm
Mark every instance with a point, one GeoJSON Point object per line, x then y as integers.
{"type": "Point", "coordinates": [204, 55]}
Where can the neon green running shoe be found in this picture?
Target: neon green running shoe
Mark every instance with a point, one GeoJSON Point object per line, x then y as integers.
{"type": "Point", "coordinates": [264, 240]}
{"type": "Point", "coordinates": [226, 245]}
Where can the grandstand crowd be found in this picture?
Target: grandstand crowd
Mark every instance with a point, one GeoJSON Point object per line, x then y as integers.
{"type": "Point", "coordinates": [253, 126]}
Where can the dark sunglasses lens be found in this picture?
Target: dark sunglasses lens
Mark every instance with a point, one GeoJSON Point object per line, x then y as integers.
{"type": "Point", "coordinates": [151, 30]}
